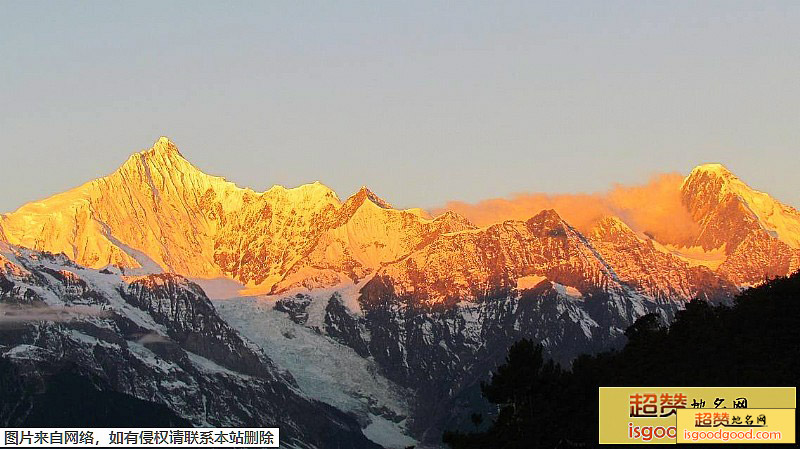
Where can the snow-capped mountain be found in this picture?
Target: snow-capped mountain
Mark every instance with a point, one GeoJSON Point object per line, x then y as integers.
{"type": "Point", "coordinates": [407, 301]}
{"type": "Point", "coordinates": [759, 236]}
{"type": "Point", "coordinates": [159, 213]}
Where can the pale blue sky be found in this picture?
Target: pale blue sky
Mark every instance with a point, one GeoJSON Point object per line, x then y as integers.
{"type": "Point", "coordinates": [424, 102]}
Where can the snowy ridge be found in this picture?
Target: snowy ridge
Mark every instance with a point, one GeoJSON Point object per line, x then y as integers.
{"type": "Point", "coordinates": [158, 213]}
{"type": "Point", "coordinates": [156, 338]}
{"type": "Point", "coordinates": [760, 236]}
{"type": "Point", "coordinates": [780, 220]}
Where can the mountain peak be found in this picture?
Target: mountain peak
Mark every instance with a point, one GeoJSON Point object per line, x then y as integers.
{"type": "Point", "coordinates": [716, 198]}
{"type": "Point", "coordinates": [546, 219]}
{"type": "Point", "coordinates": [714, 169]}
{"type": "Point", "coordinates": [610, 226]}
{"type": "Point", "coordinates": [454, 217]}
{"type": "Point", "coordinates": [164, 146]}
{"type": "Point", "coordinates": [365, 193]}
{"type": "Point", "coordinates": [710, 184]}
{"type": "Point", "coordinates": [163, 157]}
{"type": "Point", "coordinates": [612, 222]}
{"type": "Point", "coordinates": [547, 214]}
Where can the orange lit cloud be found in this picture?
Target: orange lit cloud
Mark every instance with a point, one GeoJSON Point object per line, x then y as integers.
{"type": "Point", "coordinates": [654, 208]}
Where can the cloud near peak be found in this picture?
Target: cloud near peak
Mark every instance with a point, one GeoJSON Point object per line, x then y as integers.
{"type": "Point", "coordinates": [654, 209]}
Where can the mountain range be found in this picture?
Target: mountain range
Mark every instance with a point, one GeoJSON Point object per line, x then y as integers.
{"type": "Point", "coordinates": [417, 308]}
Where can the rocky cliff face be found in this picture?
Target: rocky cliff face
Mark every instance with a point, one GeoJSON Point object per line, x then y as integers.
{"type": "Point", "coordinates": [759, 235]}
{"type": "Point", "coordinates": [152, 339]}
{"type": "Point", "coordinates": [442, 351]}
{"type": "Point", "coordinates": [647, 267]}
